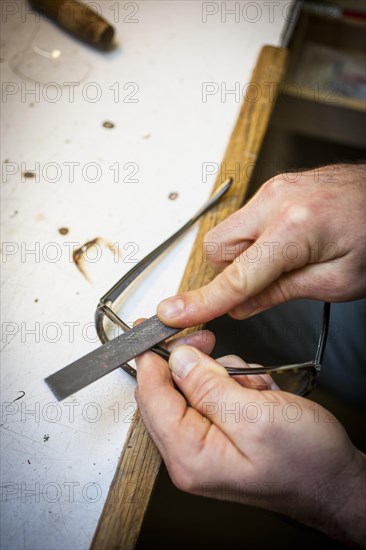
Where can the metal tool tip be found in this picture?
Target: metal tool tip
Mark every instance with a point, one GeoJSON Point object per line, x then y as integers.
{"type": "Point", "coordinates": [54, 387]}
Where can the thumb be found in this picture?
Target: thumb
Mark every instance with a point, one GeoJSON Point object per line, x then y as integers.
{"type": "Point", "coordinates": [210, 390]}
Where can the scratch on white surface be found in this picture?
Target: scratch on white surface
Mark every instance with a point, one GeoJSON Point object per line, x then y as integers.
{"type": "Point", "coordinates": [28, 452]}
{"type": "Point", "coordinates": [7, 430]}
{"type": "Point", "coordinates": [73, 429]}
{"type": "Point", "coordinates": [61, 513]}
{"type": "Point", "coordinates": [8, 342]}
{"type": "Point", "coordinates": [34, 441]}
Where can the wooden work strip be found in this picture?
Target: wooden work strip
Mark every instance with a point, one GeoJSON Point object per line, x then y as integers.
{"type": "Point", "coordinates": [131, 489]}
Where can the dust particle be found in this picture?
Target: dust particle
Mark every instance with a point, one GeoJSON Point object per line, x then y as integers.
{"type": "Point", "coordinates": [63, 230]}
{"type": "Point", "coordinates": [36, 300]}
{"type": "Point", "coordinates": [46, 437]}
{"type": "Point", "coordinates": [29, 175]}
{"type": "Point", "coordinates": [108, 124]}
{"type": "Point", "coordinates": [146, 136]}
{"type": "Point", "coordinates": [173, 196]}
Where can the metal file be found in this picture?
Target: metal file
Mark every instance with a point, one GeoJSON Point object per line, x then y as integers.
{"type": "Point", "coordinates": [108, 357]}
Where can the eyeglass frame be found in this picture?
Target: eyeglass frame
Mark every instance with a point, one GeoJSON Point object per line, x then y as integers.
{"type": "Point", "coordinates": [105, 304]}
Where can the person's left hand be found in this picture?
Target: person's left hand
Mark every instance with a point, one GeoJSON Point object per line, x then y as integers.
{"type": "Point", "coordinates": [262, 447]}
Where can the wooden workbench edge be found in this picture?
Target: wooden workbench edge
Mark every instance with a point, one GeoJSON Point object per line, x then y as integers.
{"type": "Point", "coordinates": [133, 483]}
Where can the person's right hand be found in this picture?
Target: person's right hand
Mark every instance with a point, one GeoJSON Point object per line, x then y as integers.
{"type": "Point", "coordinates": [300, 236]}
{"type": "Point", "coordinates": [241, 440]}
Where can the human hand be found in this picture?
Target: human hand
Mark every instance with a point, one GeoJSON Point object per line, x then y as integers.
{"type": "Point", "coordinates": [265, 448]}
{"type": "Point", "coordinates": [300, 236]}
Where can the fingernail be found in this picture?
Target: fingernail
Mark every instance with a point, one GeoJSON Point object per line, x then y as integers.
{"type": "Point", "coordinates": [170, 308]}
{"type": "Point", "coordinates": [183, 360]}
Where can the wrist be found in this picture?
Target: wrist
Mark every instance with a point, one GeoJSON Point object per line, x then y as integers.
{"type": "Point", "coordinates": [341, 504]}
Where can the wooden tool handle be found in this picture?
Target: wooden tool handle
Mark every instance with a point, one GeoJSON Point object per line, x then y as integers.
{"type": "Point", "coordinates": [79, 19]}
{"type": "Point", "coordinates": [122, 516]}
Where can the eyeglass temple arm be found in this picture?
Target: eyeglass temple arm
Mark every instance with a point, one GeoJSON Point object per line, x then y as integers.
{"type": "Point", "coordinates": [323, 335]}
{"type": "Point", "coordinates": [232, 371]}
{"type": "Point", "coordinates": [127, 279]}
{"type": "Point", "coordinates": [121, 285]}
{"type": "Point", "coordinates": [165, 354]}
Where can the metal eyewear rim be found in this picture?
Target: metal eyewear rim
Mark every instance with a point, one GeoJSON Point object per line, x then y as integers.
{"type": "Point", "coordinates": [104, 309]}
{"type": "Point", "coordinates": [313, 367]}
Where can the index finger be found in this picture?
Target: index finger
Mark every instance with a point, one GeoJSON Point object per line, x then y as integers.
{"type": "Point", "coordinates": [250, 273]}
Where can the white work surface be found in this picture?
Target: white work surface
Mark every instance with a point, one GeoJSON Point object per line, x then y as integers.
{"type": "Point", "coordinates": [58, 459]}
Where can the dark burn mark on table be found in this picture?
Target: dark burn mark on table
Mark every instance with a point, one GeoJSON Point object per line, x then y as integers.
{"type": "Point", "coordinates": [78, 254]}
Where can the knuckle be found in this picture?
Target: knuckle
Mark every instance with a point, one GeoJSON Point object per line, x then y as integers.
{"type": "Point", "coordinates": [275, 184]}
{"type": "Point", "coordinates": [283, 290]}
{"type": "Point", "coordinates": [211, 247]}
{"type": "Point", "coordinates": [211, 236]}
{"type": "Point", "coordinates": [234, 280]}
{"type": "Point", "coordinates": [295, 216]}
{"type": "Point", "coordinates": [183, 477]}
